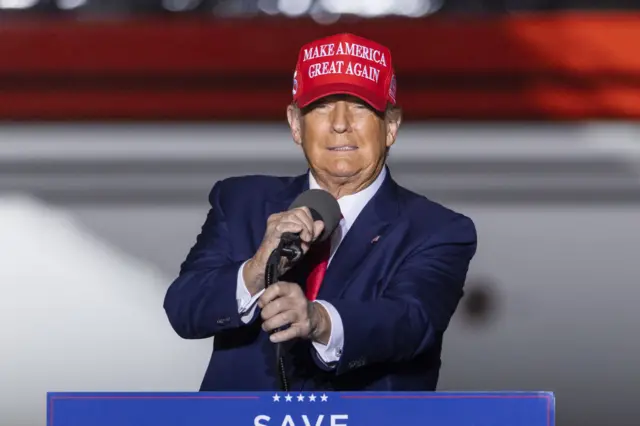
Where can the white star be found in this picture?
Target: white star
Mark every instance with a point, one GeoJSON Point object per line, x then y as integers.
{"type": "Point", "coordinates": [324, 398]}
{"type": "Point", "coordinates": [288, 398]}
{"type": "Point", "coordinates": [312, 398]}
{"type": "Point", "coordinates": [300, 397]}
{"type": "Point", "coordinates": [276, 398]}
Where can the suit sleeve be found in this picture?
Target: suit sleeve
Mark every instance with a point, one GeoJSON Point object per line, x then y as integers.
{"type": "Point", "coordinates": [202, 301]}
{"type": "Point", "coordinates": [417, 305]}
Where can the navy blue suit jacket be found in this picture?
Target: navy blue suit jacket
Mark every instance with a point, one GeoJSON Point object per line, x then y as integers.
{"type": "Point", "coordinates": [395, 295]}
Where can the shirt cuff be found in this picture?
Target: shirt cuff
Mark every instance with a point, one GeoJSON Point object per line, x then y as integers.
{"type": "Point", "coordinates": [332, 351]}
{"type": "Point", "coordinates": [246, 303]}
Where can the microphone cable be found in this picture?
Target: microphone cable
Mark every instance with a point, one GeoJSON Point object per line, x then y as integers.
{"type": "Point", "coordinates": [270, 277]}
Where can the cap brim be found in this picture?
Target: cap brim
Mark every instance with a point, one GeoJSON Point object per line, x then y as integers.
{"type": "Point", "coordinates": [342, 89]}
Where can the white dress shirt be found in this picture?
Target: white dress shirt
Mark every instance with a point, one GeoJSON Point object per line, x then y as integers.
{"type": "Point", "coordinates": [350, 206]}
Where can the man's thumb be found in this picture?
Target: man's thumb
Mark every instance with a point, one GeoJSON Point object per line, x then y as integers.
{"type": "Point", "coordinates": [318, 227]}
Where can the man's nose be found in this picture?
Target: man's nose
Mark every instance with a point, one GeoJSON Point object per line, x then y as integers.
{"type": "Point", "coordinates": [340, 118]}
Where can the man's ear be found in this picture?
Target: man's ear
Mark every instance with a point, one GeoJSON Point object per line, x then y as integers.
{"type": "Point", "coordinates": [393, 118]}
{"type": "Point", "coordinates": [295, 123]}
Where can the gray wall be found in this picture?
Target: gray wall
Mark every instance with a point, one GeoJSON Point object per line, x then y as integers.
{"type": "Point", "coordinates": [96, 219]}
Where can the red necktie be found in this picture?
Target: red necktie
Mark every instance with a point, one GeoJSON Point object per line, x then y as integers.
{"type": "Point", "coordinates": [319, 261]}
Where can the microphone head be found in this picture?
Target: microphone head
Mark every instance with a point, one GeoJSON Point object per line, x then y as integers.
{"type": "Point", "coordinates": [323, 206]}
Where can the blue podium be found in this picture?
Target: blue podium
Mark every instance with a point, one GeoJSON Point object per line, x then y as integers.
{"type": "Point", "coordinates": [302, 409]}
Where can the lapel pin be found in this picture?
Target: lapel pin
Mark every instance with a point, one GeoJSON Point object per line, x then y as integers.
{"type": "Point", "coordinates": [375, 240]}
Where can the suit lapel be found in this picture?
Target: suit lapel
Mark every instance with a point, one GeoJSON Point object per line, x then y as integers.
{"type": "Point", "coordinates": [373, 221]}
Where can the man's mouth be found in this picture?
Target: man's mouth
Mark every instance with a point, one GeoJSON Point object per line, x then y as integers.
{"type": "Point", "coordinates": [344, 148]}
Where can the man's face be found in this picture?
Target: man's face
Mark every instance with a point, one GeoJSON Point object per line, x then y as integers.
{"type": "Point", "coordinates": [343, 138]}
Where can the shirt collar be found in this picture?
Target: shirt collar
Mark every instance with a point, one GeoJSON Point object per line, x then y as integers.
{"type": "Point", "coordinates": [351, 205]}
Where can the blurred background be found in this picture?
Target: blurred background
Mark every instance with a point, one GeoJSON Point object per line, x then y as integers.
{"type": "Point", "coordinates": [118, 116]}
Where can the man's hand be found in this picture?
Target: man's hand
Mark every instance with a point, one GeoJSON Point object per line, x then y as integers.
{"type": "Point", "coordinates": [284, 304]}
{"type": "Point", "coordinates": [297, 220]}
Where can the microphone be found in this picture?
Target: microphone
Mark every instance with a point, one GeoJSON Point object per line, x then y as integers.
{"type": "Point", "coordinates": [324, 207]}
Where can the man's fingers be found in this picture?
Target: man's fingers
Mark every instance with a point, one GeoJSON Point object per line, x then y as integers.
{"type": "Point", "coordinates": [296, 221]}
{"type": "Point", "coordinates": [275, 307]}
{"type": "Point", "coordinates": [274, 218]}
{"type": "Point", "coordinates": [303, 215]}
{"type": "Point", "coordinates": [271, 293]}
{"type": "Point", "coordinates": [289, 226]}
{"type": "Point", "coordinates": [290, 333]}
{"type": "Point", "coordinates": [318, 227]}
{"type": "Point", "coordinates": [280, 320]}
{"type": "Point", "coordinates": [283, 304]}
{"type": "Point", "coordinates": [274, 291]}
{"type": "Point", "coordinates": [294, 225]}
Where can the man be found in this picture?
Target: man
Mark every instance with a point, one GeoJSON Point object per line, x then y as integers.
{"type": "Point", "coordinates": [397, 262]}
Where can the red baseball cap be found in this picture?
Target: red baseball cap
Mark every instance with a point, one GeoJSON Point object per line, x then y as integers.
{"type": "Point", "coordinates": [345, 64]}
